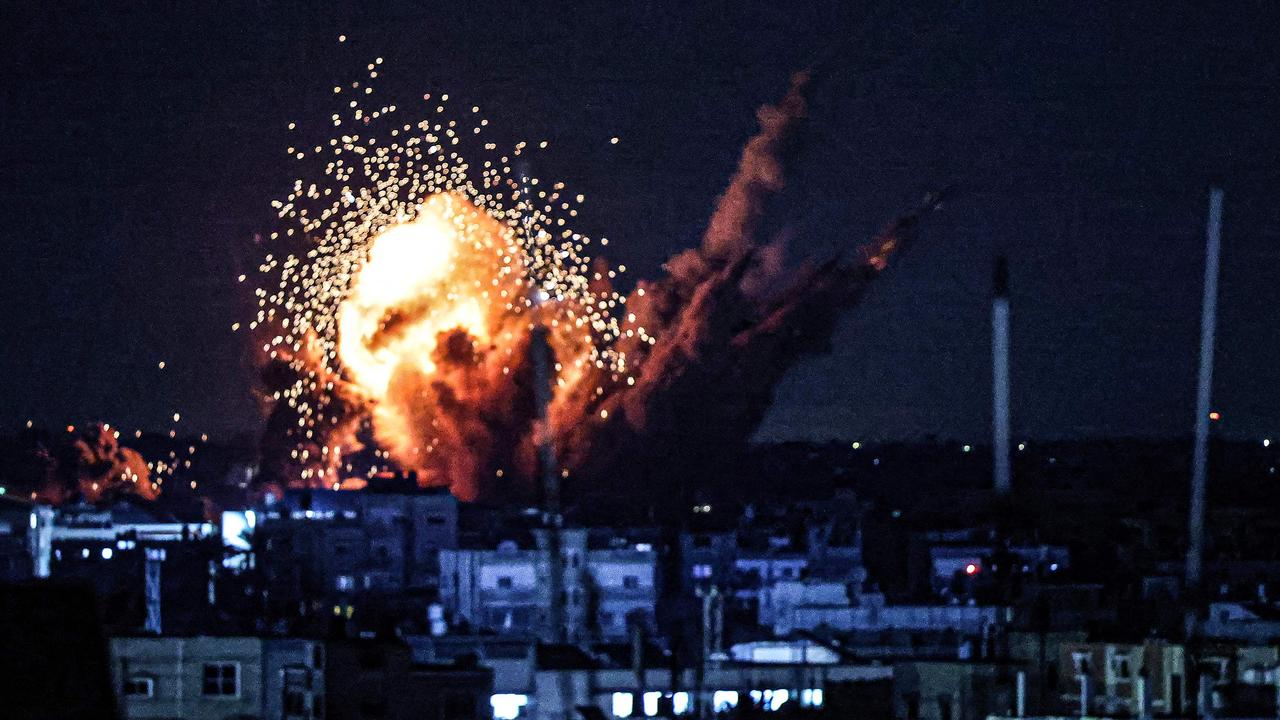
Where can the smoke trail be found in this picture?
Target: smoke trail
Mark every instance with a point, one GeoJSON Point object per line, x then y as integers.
{"type": "Point", "coordinates": [733, 319]}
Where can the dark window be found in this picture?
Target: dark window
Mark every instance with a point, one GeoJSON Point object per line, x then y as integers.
{"type": "Point", "coordinates": [458, 706]}
{"type": "Point", "coordinates": [631, 582]}
{"type": "Point", "coordinates": [372, 660]}
{"type": "Point", "coordinates": [139, 687]}
{"type": "Point", "coordinates": [295, 702]}
{"type": "Point", "coordinates": [505, 582]}
{"type": "Point", "coordinates": [221, 679]}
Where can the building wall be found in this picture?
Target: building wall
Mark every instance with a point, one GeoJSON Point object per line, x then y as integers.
{"type": "Point", "coordinates": [507, 591]}
{"type": "Point", "coordinates": [1113, 670]}
{"type": "Point", "coordinates": [293, 679]}
{"type": "Point", "coordinates": [175, 668]}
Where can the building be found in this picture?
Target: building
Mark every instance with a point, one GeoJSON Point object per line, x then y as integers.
{"type": "Point", "coordinates": [533, 681]}
{"type": "Point", "coordinates": [197, 678]}
{"type": "Point", "coordinates": [18, 539]}
{"type": "Point", "coordinates": [380, 679]}
{"type": "Point", "coordinates": [503, 590]}
{"type": "Point", "coordinates": [1122, 678]}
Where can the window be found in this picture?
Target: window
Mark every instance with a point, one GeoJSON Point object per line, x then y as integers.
{"type": "Point", "coordinates": [1081, 662]}
{"type": "Point", "coordinates": [221, 679]}
{"type": "Point", "coordinates": [345, 583]}
{"type": "Point", "coordinates": [1120, 666]}
{"type": "Point", "coordinates": [507, 706]}
{"type": "Point", "coordinates": [631, 582]}
{"type": "Point", "coordinates": [139, 687]}
{"type": "Point", "coordinates": [623, 704]}
{"type": "Point", "coordinates": [295, 703]}
{"type": "Point", "coordinates": [702, 572]}
{"type": "Point", "coordinates": [505, 582]}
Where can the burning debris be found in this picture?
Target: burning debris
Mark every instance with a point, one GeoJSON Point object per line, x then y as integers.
{"type": "Point", "coordinates": [402, 323]}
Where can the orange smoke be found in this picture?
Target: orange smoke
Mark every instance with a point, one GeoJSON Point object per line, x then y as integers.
{"type": "Point", "coordinates": [434, 324]}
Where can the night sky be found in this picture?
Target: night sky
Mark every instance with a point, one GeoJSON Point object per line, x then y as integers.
{"type": "Point", "coordinates": [142, 145]}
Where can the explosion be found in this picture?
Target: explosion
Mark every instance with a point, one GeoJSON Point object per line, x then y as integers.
{"type": "Point", "coordinates": [404, 309]}
{"type": "Point", "coordinates": [86, 462]}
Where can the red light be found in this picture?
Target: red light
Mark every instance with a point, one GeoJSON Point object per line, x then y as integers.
{"type": "Point", "coordinates": [971, 569]}
{"type": "Point", "coordinates": [1215, 416]}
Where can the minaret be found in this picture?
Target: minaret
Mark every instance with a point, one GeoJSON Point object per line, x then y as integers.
{"type": "Point", "coordinates": [1000, 378]}
{"type": "Point", "coordinates": [1204, 387]}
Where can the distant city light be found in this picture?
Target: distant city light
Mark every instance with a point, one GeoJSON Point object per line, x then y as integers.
{"type": "Point", "coordinates": [107, 553]}
{"type": "Point", "coordinates": [967, 448]}
{"type": "Point", "coordinates": [971, 569]}
{"type": "Point", "coordinates": [1022, 446]}
{"type": "Point", "coordinates": [1215, 416]}
{"type": "Point", "coordinates": [856, 444]}
{"type": "Point", "coordinates": [1266, 442]}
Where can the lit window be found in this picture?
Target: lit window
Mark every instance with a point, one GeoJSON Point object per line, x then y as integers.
{"type": "Point", "coordinates": [811, 697]}
{"type": "Point", "coordinates": [507, 706]}
{"type": "Point", "coordinates": [139, 687]}
{"type": "Point", "coordinates": [724, 700]}
{"type": "Point", "coordinates": [701, 571]}
{"type": "Point", "coordinates": [680, 702]}
{"type": "Point", "coordinates": [775, 699]}
{"type": "Point", "coordinates": [623, 704]}
{"type": "Point", "coordinates": [651, 703]}
{"type": "Point", "coordinates": [345, 583]}
{"type": "Point", "coordinates": [221, 679]}
{"type": "Point", "coordinates": [107, 553]}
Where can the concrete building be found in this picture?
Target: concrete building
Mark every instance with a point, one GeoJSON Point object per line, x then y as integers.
{"type": "Point", "coordinates": [18, 539]}
{"type": "Point", "coordinates": [616, 680]}
{"type": "Point", "coordinates": [197, 678]}
{"type": "Point", "coordinates": [952, 689]}
{"type": "Point", "coordinates": [351, 542]}
{"type": "Point", "coordinates": [380, 679]}
{"type": "Point", "coordinates": [504, 590]}
{"type": "Point", "coordinates": [1122, 678]}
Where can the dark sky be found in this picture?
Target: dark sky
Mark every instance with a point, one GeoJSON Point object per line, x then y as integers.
{"type": "Point", "coordinates": [141, 146]}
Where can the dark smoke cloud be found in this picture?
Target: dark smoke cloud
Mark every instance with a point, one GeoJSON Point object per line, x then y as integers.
{"type": "Point", "coordinates": [86, 462]}
{"type": "Point", "coordinates": [732, 317]}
